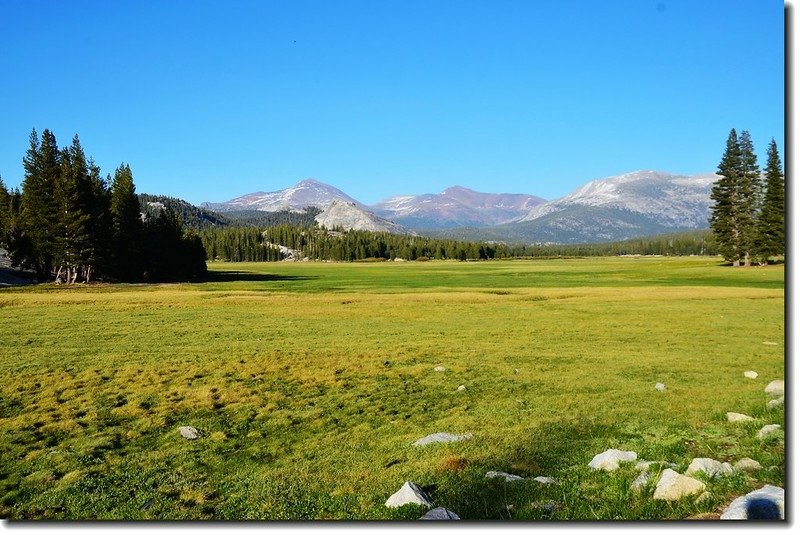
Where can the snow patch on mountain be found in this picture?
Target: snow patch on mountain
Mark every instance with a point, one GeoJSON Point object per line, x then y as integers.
{"type": "Point", "coordinates": [296, 198]}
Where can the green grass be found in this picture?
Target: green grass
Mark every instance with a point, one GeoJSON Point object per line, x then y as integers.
{"type": "Point", "coordinates": [310, 381]}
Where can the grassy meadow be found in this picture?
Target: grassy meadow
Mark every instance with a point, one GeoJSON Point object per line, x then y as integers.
{"type": "Point", "coordinates": [310, 381]}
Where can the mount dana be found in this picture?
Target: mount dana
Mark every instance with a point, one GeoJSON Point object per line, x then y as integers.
{"type": "Point", "coordinates": [297, 198]}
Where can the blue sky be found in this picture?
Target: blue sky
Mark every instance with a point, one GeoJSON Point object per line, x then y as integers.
{"type": "Point", "coordinates": [211, 100]}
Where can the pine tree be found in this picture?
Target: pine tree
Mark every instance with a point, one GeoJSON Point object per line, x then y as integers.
{"type": "Point", "coordinates": [126, 242]}
{"type": "Point", "coordinates": [100, 223]}
{"type": "Point", "coordinates": [39, 210]}
{"type": "Point", "coordinates": [723, 221]}
{"type": "Point", "coordinates": [771, 223]}
{"type": "Point", "coordinates": [5, 213]}
{"type": "Point", "coordinates": [749, 199]}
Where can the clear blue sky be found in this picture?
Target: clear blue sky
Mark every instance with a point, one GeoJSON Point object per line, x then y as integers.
{"type": "Point", "coordinates": [211, 100]}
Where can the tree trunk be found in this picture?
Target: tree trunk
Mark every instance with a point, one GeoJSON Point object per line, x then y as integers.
{"type": "Point", "coordinates": [58, 275]}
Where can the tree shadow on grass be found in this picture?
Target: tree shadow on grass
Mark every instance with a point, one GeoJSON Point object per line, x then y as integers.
{"type": "Point", "coordinates": [247, 276]}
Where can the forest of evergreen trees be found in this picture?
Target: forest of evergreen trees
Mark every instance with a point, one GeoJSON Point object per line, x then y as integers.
{"type": "Point", "coordinates": [748, 214]}
{"type": "Point", "coordinates": [68, 224]}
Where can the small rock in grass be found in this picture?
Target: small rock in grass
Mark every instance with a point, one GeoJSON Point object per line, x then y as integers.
{"type": "Point", "coordinates": [775, 403]}
{"type": "Point", "coordinates": [673, 486]}
{"type": "Point", "coordinates": [709, 467]}
{"type": "Point", "coordinates": [189, 432]}
{"type": "Point", "coordinates": [440, 513]}
{"type": "Point", "coordinates": [765, 503]}
{"type": "Point", "coordinates": [769, 343]}
{"type": "Point", "coordinates": [738, 417]}
{"type": "Point", "coordinates": [547, 506]}
{"type": "Point", "coordinates": [609, 460]}
{"type": "Point", "coordinates": [641, 481]}
{"type": "Point", "coordinates": [661, 387]}
{"type": "Point", "coordinates": [439, 369]}
{"type": "Point", "coordinates": [442, 437]}
{"type": "Point", "coordinates": [774, 388]}
{"type": "Point", "coordinates": [747, 465]}
{"type": "Point", "coordinates": [768, 429]}
{"type": "Point", "coordinates": [461, 388]}
{"type": "Point", "coordinates": [408, 493]}
{"type": "Point", "coordinates": [704, 497]}
{"type": "Point", "coordinates": [544, 480]}
{"type": "Point", "coordinates": [508, 477]}
{"type": "Point", "coordinates": [750, 374]}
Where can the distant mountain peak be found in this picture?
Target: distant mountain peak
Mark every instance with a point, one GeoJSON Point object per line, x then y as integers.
{"type": "Point", "coordinates": [295, 198]}
{"type": "Point", "coordinates": [351, 216]}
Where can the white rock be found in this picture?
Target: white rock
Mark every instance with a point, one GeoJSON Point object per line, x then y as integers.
{"type": "Point", "coordinates": [765, 503]}
{"type": "Point", "coordinates": [750, 374]}
{"type": "Point", "coordinates": [738, 417]}
{"type": "Point", "coordinates": [609, 460]}
{"type": "Point", "coordinates": [189, 432]}
{"type": "Point", "coordinates": [770, 343]}
{"type": "Point", "coordinates": [408, 493]}
{"type": "Point", "coordinates": [673, 486]}
{"type": "Point", "coordinates": [768, 429]}
{"type": "Point", "coordinates": [544, 480]}
{"type": "Point", "coordinates": [508, 477]}
{"type": "Point", "coordinates": [775, 388]}
{"type": "Point", "coordinates": [775, 403]}
{"type": "Point", "coordinates": [645, 465]}
{"type": "Point", "coordinates": [442, 437]}
{"type": "Point", "coordinates": [641, 480]}
{"type": "Point", "coordinates": [661, 387]}
{"type": "Point", "coordinates": [747, 465]}
{"type": "Point", "coordinates": [440, 513]}
{"type": "Point", "coordinates": [439, 369]}
{"type": "Point", "coordinates": [709, 467]}
{"type": "Point", "coordinates": [461, 388]}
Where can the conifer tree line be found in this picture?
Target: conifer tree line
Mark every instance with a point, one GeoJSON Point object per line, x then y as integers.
{"type": "Point", "coordinates": [68, 224]}
{"type": "Point", "coordinates": [748, 214]}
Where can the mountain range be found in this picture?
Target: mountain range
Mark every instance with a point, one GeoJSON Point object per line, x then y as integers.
{"type": "Point", "coordinates": [634, 204]}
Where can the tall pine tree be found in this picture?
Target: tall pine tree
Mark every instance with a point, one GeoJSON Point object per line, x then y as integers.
{"type": "Point", "coordinates": [5, 213]}
{"type": "Point", "coordinates": [725, 195]}
{"type": "Point", "coordinates": [126, 243]}
{"type": "Point", "coordinates": [771, 222]}
{"type": "Point", "coordinates": [749, 199]}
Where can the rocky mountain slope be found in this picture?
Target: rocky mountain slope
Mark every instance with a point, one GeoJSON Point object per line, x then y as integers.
{"type": "Point", "coordinates": [349, 216]}
{"type": "Point", "coordinates": [296, 198]}
{"type": "Point", "coordinates": [456, 207]}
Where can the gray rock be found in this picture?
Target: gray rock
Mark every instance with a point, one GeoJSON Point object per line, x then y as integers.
{"type": "Point", "coordinates": [544, 480]}
{"type": "Point", "coordinates": [709, 467]}
{"type": "Point", "coordinates": [439, 369]}
{"type": "Point", "coordinates": [461, 388]}
{"type": "Point", "coordinates": [750, 374]}
{"type": "Point", "coordinates": [408, 493]}
{"type": "Point", "coordinates": [609, 460]}
{"type": "Point", "coordinates": [508, 477]}
{"type": "Point", "coordinates": [775, 403]}
{"type": "Point", "coordinates": [738, 417]}
{"type": "Point", "coordinates": [673, 486]}
{"type": "Point", "coordinates": [440, 513]}
{"type": "Point", "coordinates": [661, 387]}
{"type": "Point", "coordinates": [641, 481]}
{"type": "Point", "coordinates": [189, 432]}
{"type": "Point", "coordinates": [774, 388]}
{"type": "Point", "coordinates": [747, 465]}
{"type": "Point", "coordinates": [547, 506]}
{"type": "Point", "coordinates": [768, 429]}
{"type": "Point", "coordinates": [442, 437]}
{"type": "Point", "coordinates": [765, 503]}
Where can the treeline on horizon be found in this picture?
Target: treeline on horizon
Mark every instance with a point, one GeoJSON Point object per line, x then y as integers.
{"type": "Point", "coordinates": [243, 244]}
{"type": "Point", "coordinates": [68, 224]}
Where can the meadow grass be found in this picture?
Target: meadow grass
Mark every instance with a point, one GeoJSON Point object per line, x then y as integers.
{"type": "Point", "coordinates": [309, 382]}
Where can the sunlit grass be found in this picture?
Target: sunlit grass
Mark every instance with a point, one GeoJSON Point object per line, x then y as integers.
{"type": "Point", "coordinates": [309, 382]}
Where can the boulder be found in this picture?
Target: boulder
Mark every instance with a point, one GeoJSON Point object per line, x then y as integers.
{"type": "Point", "coordinates": [673, 486]}
{"type": "Point", "coordinates": [738, 417]}
{"type": "Point", "coordinates": [440, 513]}
{"type": "Point", "coordinates": [768, 429]}
{"type": "Point", "coordinates": [609, 460]}
{"type": "Point", "coordinates": [765, 503]}
{"type": "Point", "coordinates": [442, 437]}
{"type": "Point", "coordinates": [408, 493]}
{"type": "Point", "coordinates": [189, 432]}
{"type": "Point", "coordinates": [750, 374]}
{"type": "Point", "coordinates": [661, 387]}
{"type": "Point", "coordinates": [775, 403]}
{"type": "Point", "coordinates": [774, 388]}
{"type": "Point", "coordinates": [709, 467]}
{"type": "Point", "coordinates": [747, 465]}
{"type": "Point", "coordinates": [641, 481]}
{"type": "Point", "coordinates": [508, 477]}
{"type": "Point", "coordinates": [544, 480]}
